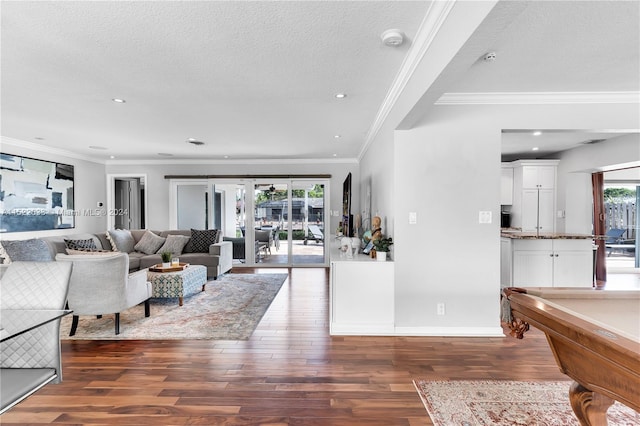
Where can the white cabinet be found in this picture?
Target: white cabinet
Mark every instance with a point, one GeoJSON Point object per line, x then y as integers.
{"type": "Point", "coordinates": [361, 296]}
{"type": "Point", "coordinates": [506, 185]}
{"type": "Point", "coordinates": [539, 176]}
{"type": "Point", "coordinates": [534, 195]}
{"type": "Point", "coordinates": [537, 210]}
{"type": "Point", "coordinates": [552, 263]}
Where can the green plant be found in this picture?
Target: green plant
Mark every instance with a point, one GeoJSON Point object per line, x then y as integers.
{"type": "Point", "coordinates": [383, 244]}
{"type": "Point", "coordinates": [166, 256]}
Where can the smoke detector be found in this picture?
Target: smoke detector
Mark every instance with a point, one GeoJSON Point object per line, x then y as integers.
{"type": "Point", "coordinates": [393, 38]}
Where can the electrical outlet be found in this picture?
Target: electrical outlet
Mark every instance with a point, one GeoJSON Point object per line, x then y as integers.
{"type": "Point", "coordinates": [440, 309]}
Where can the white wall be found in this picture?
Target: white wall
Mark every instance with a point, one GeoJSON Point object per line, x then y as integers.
{"type": "Point", "coordinates": [157, 186]}
{"type": "Point", "coordinates": [89, 189]}
{"type": "Point", "coordinates": [574, 194]}
{"type": "Point", "coordinates": [447, 169]}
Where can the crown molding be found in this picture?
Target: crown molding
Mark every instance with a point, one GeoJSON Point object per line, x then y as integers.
{"type": "Point", "coordinates": [46, 149]}
{"type": "Point", "coordinates": [538, 98]}
{"type": "Point", "coordinates": [433, 20]}
{"type": "Point", "coordinates": [64, 153]}
{"type": "Point", "coordinates": [275, 161]}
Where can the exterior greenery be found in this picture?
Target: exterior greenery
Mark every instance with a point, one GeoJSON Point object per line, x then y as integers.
{"type": "Point", "coordinates": [618, 194]}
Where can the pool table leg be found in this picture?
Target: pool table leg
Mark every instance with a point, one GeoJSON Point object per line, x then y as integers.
{"type": "Point", "coordinates": [589, 407]}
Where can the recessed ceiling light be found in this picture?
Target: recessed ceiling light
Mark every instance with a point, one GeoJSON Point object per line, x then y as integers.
{"type": "Point", "coordinates": [226, 156]}
{"type": "Point", "coordinates": [38, 138]}
{"type": "Point", "coordinates": [112, 156]}
{"type": "Point", "coordinates": [537, 133]}
{"type": "Point", "coordinates": [165, 154]}
{"type": "Point", "coordinates": [97, 147]}
{"type": "Point", "coordinates": [341, 95]}
{"type": "Point", "coordinates": [118, 100]}
{"type": "Point", "coordinates": [337, 136]}
{"type": "Point", "coordinates": [335, 155]}
{"type": "Point", "coordinates": [193, 141]}
{"type": "Point", "coordinates": [535, 148]}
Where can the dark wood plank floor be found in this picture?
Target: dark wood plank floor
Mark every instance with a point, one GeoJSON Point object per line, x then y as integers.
{"type": "Point", "coordinates": [290, 372]}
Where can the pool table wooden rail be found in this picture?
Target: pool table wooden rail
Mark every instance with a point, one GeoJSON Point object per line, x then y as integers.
{"type": "Point", "coordinates": [603, 362]}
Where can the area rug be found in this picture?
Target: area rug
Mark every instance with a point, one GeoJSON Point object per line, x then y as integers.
{"type": "Point", "coordinates": [230, 308]}
{"type": "Point", "coordinates": [506, 403]}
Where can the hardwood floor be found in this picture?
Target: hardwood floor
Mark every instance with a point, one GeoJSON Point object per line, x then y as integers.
{"type": "Point", "coordinates": [290, 372]}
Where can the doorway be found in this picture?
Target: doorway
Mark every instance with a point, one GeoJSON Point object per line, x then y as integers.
{"type": "Point", "coordinates": [126, 201]}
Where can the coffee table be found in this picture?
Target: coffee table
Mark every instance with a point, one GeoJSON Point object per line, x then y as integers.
{"type": "Point", "coordinates": [178, 283]}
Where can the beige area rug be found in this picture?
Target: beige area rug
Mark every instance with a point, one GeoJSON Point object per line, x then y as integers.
{"type": "Point", "coordinates": [507, 403]}
{"type": "Point", "coordinates": [230, 308]}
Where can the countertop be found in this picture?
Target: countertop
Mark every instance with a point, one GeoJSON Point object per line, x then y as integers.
{"type": "Point", "coordinates": [519, 235]}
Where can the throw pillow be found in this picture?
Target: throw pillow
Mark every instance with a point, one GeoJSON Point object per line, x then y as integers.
{"type": "Point", "coordinates": [80, 244]}
{"type": "Point", "coordinates": [175, 244]}
{"type": "Point", "coordinates": [92, 252]}
{"type": "Point", "coordinates": [121, 240]}
{"type": "Point", "coordinates": [33, 250]}
{"type": "Point", "coordinates": [149, 243]}
{"type": "Point", "coordinates": [202, 239]}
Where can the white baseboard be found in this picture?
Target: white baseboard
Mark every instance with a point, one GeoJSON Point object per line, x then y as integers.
{"type": "Point", "coordinates": [390, 330]}
{"type": "Point", "coordinates": [450, 331]}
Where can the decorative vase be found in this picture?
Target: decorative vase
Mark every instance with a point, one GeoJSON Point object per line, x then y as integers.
{"type": "Point", "coordinates": [381, 256]}
{"type": "Point", "coordinates": [166, 264]}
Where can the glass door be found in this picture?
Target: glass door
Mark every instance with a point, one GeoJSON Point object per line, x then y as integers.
{"type": "Point", "coordinates": [309, 223]}
{"type": "Point", "coordinates": [271, 222]}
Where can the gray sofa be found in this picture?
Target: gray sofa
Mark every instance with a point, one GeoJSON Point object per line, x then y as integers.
{"type": "Point", "coordinates": [218, 260]}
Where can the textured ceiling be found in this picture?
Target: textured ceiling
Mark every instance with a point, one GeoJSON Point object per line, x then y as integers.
{"type": "Point", "coordinates": [256, 80]}
{"type": "Point", "coordinates": [250, 79]}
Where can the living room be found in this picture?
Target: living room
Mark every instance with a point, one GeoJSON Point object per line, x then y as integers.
{"type": "Point", "coordinates": [418, 151]}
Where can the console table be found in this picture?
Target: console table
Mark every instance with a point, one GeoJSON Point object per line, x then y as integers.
{"type": "Point", "coordinates": [17, 384]}
{"type": "Point", "coordinates": [361, 295]}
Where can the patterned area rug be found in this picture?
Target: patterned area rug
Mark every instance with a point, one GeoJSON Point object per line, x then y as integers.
{"type": "Point", "coordinates": [506, 403]}
{"type": "Point", "coordinates": [230, 308]}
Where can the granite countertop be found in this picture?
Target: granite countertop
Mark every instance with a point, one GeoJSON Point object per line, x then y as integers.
{"type": "Point", "coordinates": [519, 235]}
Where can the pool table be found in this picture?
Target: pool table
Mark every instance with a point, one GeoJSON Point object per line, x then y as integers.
{"type": "Point", "coordinates": [594, 336]}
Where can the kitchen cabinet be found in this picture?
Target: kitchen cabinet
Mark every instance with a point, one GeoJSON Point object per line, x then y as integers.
{"type": "Point", "coordinates": [506, 185]}
{"type": "Point", "coordinates": [538, 176]}
{"type": "Point", "coordinates": [361, 295]}
{"type": "Point", "coordinates": [534, 195]}
{"type": "Point", "coordinates": [547, 262]}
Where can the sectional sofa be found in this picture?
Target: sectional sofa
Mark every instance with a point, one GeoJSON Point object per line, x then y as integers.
{"type": "Point", "coordinates": [142, 246]}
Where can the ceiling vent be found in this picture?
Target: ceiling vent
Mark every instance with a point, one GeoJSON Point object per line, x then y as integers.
{"type": "Point", "coordinates": [593, 141]}
{"type": "Point", "coordinates": [195, 142]}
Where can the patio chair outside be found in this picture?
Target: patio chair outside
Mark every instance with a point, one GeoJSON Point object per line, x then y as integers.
{"type": "Point", "coordinates": [614, 240]}
{"type": "Point", "coordinates": [316, 232]}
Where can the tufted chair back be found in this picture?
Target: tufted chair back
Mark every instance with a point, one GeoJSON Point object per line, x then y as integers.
{"type": "Point", "coordinates": [35, 285]}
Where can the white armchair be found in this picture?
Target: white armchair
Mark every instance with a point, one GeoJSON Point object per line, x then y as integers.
{"type": "Point", "coordinates": [101, 284]}
{"type": "Point", "coordinates": [32, 359]}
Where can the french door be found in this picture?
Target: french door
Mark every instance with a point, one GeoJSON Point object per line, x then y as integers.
{"type": "Point", "coordinates": [271, 222]}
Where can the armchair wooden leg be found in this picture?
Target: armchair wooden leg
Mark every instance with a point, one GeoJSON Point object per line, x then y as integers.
{"type": "Point", "coordinates": [147, 309]}
{"type": "Point", "coordinates": [74, 325]}
{"type": "Point", "coordinates": [117, 323]}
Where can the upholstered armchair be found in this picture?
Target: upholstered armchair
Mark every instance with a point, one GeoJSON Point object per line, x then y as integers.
{"type": "Point", "coordinates": [101, 284]}
{"type": "Point", "coordinates": [33, 285]}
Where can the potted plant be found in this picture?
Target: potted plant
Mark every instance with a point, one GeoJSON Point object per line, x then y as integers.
{"type": "Point", "coordinates": [382, 246]}
{"type": "Point", "coordinates": [166, 259]}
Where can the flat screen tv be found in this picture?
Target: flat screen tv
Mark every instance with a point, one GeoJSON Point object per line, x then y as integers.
{"type": "Point", "coordinates": [347, 217]}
